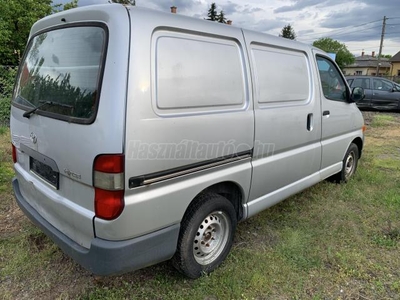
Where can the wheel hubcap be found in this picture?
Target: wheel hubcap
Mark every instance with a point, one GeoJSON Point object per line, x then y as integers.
{"type": "Point", "coordinates": [211, 238]}
{"type": "Point", "coordinates": [349, 166]}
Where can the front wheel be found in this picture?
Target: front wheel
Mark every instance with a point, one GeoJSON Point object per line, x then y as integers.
{"type": "Point", "coordinates": [350, 162]}
{"type": "Point", "coordinates": [206, 237]}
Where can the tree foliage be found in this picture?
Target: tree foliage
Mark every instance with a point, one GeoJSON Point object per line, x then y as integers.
{"type": "Point", "coordinates": [212, 12]}
{"type": "Point", "coordinates": [288, 32]}
{"type": "Point", "coordinates": [72, 4]}
{"type": "Point", "coordinates": [16, 20]}
{"type": "Point", "coordinates": [214, 16]}
{"type": "Point", "coordinates": [221, 17]}
{"type": "Point", "coordinates": [126, 2]}
{"type": "Point", "coordinates": [7, 79]}
{"type": "Point", "coordinates": [343, 55]}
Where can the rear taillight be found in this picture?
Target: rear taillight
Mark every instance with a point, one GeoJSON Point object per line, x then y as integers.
{"type": "Point", "coordinates": [108, 181]}
{"type": "Point", "coordinates": [14, 153]}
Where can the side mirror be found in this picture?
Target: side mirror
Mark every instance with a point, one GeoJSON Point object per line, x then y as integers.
{"type": "Point", "coordinates": [357, 94]}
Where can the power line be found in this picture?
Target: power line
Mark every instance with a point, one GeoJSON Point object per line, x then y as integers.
{"type": "Point", "coordinates": [344, 32]}
{"type": "Point", "coordinates": [341, 29]}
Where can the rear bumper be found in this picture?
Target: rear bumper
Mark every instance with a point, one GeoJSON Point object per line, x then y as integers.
{"type": "Point", "coordinates": [108, 257]}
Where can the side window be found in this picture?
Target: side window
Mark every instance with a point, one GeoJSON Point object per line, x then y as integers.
{"type": "Point", "coordinates": [293, 82]}
{"type": "Point", "coordinates": [333, 85]}
{"type": "Point", "coordinates": [382, 85]}
{"type": "Point", "coordinates": [361, 82]}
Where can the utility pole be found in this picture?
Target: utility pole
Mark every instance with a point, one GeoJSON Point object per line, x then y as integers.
{"type": "Point", "coordinates": [381, 45]}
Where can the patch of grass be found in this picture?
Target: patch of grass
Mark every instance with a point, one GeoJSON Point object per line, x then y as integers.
{"type": "Point", "coordinates": [331, 241]}
{"type": "Point", "coordinates": [3, 130]}
{"type": "Point", "coordinates": [6, 169]}
{"type": "Point", "coordinates": [296, 248]}
{"type": "Point", "coordinates": [382, 120]}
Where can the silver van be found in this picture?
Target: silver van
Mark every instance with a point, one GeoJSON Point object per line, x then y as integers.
{"type": "Point", "coordinates": [140, 136]}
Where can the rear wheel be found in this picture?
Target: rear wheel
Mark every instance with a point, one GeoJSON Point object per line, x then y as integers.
{"type": "Point", "coordinates": [206, 236]}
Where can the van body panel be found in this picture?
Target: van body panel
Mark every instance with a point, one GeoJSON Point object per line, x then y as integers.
{"type": "Point", "coordinates": [193, 133]}
{"type": "Point", "coordinates": [287, 123]}
{"type": "Point", "coordinates": [163, 204]}
{"type": "Point", "coordinates": [73, 147]}
{"type": "Point", "coordinates": [73, 220]}
{"type": "Point", "coordinates": [265, 201]}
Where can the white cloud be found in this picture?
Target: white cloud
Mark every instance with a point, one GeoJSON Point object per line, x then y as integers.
{"type": "Point", "coordinates": [311, 19]}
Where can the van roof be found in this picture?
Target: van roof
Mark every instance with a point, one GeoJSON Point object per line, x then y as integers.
{"type": "Point", "coordinates": [162, 18]}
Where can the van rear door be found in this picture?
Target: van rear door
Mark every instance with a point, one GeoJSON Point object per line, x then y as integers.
{"type": "Point", "coordinates": [68, 108]}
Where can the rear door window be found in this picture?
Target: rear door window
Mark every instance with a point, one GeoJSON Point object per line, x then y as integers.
{"type": "Point", "coordinates": [382, 85]}
{"type": "Point", "coordinates": [61, 73]}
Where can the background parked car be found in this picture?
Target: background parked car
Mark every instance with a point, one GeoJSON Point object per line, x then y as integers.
{"type": "Point", "coordinates": [380, 93]}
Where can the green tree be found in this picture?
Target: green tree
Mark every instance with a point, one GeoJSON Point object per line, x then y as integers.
{"type": "Point", "coordinates": [343, 55]}
{"type": "Point", "coordinates": [127, 2]}
{"type": "Point", "coordinates": [212, 12]}
{"type": "Point", "coordinates": [16, 20]}
{"type": "Point", "coordinates": [221, 17]}
{"type": "Point", "coordinates": [288, 32]}
{"type": "Point", "coordinates": [72, 4]}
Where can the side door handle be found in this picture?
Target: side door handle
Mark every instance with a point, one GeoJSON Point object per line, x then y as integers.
{"type": "Point", "coordinates": [310, 122]}
{"type": "Point", "coordinates": [326, 113]}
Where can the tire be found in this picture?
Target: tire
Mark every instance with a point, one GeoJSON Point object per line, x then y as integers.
{"type": "Point", "coordinates": [206, 236]}
{"type": "Point", "coordinates": [350, 162]}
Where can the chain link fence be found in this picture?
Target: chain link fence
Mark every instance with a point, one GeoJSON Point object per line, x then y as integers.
{"type": "Point", "coordinates": [7, 80]}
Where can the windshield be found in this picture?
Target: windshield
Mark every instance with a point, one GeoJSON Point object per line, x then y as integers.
{"type": "Point", "coordinates": [62, 66]}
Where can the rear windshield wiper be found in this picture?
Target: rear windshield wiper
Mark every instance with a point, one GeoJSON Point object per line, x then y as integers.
{"type": "Point", "coordinates": [28, 113]}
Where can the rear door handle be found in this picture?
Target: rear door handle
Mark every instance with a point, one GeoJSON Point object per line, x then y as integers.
{"type": "Point", "coordinates": [326, 113]}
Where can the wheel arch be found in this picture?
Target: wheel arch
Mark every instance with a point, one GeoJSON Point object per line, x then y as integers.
{"type": "Point", "coordinates": [359, 143]}
{"type": "Point", "coordinates": [228, 189]}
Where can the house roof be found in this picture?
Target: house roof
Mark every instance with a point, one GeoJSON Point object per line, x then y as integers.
{"type": "Point", "coordinates": [369, 61]}
{"type": "Point", "coordinates": [395, 58]}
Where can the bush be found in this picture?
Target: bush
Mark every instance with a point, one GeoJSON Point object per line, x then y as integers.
{"type": "Point", "coordinates": [7, 80]}
{"type": "Point", "coordinates": [5, 106]}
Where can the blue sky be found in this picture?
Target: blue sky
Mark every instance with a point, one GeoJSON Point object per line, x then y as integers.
{"type": "Point", "coordinates": [358, 24]}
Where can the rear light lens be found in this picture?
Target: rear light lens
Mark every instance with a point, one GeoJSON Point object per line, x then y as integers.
{"type": "Point", "coordinates": [14, 153]}
{"type": "Point", "coordinates": [108, 205]}
{"type": "Point", "coordinates": [108, 180]}
{"type": "Point", "coordinates": [113, 163]}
